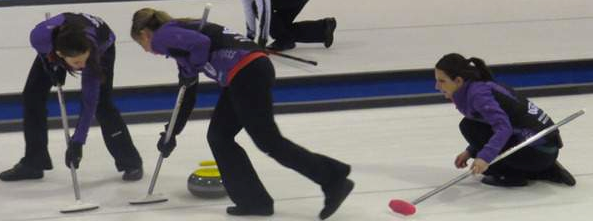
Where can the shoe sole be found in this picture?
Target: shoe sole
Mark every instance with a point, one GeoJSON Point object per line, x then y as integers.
{"type": "Point", "coordinates": [496, 183]}
{"type": "Point", "coordinates": [8, 178]}
{"type": "Point", "coordinates": [329, 32]}
{"type": "Point", "coordinates": [235, 212]}
{"type": "Point", "coordinates": [567, 178]}
{"type": "Point", "coordinates": [22, 179]}
{"type": "Point", "coordinates": [135, 177]}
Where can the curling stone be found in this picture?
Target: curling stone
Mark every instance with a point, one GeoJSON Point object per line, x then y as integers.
{"type": "Point", "coordinates": [206, 182]}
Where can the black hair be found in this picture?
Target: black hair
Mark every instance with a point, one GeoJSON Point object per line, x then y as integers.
{"type": "Point", "coordinates": [455, 65]}
{"type": "Point", "coordinates": [71, 40]}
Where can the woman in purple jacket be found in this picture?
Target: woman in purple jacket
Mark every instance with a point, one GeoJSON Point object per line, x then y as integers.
{"type": "Point", "coordinates": [495, 119]}
{"type": "Point", "coordinates": [246, 76]}
{"type": "Point", "coordinates": [73, 43]}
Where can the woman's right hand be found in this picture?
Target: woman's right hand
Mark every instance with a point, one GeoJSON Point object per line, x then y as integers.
{"type": "Point", "coordinates": [461, 159]}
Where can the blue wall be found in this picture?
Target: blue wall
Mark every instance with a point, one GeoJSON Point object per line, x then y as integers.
{"type": "Point", "coordinates": [365, 85]}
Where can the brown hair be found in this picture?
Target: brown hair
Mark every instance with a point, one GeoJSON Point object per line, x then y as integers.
{"type": "Point", "coordinates": [148, 18]}
{"type": "Point", "coordinates": [151, 19]}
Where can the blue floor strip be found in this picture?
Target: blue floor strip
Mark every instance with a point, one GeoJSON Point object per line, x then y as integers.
{"type": "Point", "coordinates": [356, 86]}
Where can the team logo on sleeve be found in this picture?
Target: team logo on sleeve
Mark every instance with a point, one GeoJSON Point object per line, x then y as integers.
{"type": "Point", "coordinates": [228, 54]}
{"type": "Point", "coordinates": [235, 35]}
{"type": "Point", "coordinates": [209, 70]}
{"type": "Point", "coordinates": [532, 109]}
{"type": "Point", "coordinates": [228, 31]}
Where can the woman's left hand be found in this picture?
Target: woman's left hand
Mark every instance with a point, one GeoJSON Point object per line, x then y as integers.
{"type": "Point", "coordinates": [479, 166]}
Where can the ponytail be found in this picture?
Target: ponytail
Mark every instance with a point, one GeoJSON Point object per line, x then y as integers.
{"type": "Point", "coordinates": [455, 65]}
{"type": "Point", "coordinates": [148, 18]}
{"type": "Point", "coordinates": [483, 71]}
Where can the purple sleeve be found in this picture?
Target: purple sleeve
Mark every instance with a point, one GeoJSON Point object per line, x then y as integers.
{"type": "Point", "coordinates": [169, 39]}
{"type": "Point", "coordinates": [91, 87]}
{"type": "Point", "coordinates": [484, 103]}
{"type": "Point", "coordinates": [41, 38]}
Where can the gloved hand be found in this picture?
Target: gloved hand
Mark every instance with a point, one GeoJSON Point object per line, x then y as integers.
{"type": "Point", "coordinates": [73, 154]}
{"type": "Point", "coordinates": [166, 148]}
{"type": "Point", "coordinates": [54, 68]}
{"type": "Point", "coordinates": [57, 75]}
{"type": "Point", "coordinates": [188, 81]}
{"type": "Point", "coordinates": [188, 73]}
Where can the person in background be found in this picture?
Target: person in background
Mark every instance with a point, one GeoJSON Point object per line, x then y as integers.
{"type": "Point", "coordinates": [277, 17]}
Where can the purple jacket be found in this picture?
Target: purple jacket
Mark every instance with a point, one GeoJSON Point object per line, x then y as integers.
{"type": "Point", "coordinates": [509, 115]}
{"type": "Point", "coordinates": [100, 34]}
{"type": "Point", "coordinates": [215, 50]}
{"type": "Point", "coordinates": [475, 101]}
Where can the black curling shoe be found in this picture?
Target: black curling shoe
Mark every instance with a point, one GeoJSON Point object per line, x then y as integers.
{"type": "Point", "coordinates": [334, 196]}
{"type": "Point", "coordinates": [21, 172]}
{"type": "Point", "coordinates": [133, 174]}
{"type": "Point", "coordinates": [560, 174]}
{"type": "Point", "coordinates": [330, 27]}
{"type": "Point", "coordinates": [247, 211]}
{"type": "Point", "coordinates": [504, 181]}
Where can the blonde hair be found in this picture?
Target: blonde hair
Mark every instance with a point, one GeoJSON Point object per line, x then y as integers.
{"type": "Point", "coordinates": [148, 18]}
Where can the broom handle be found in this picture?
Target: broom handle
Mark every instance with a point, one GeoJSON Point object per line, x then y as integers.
{"type": "Point", "coordinates": [502, 156]}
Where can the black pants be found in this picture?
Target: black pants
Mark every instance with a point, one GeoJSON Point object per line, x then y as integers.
{"type": "Point", "coordinates": [284, 29]}
{"type": "Point", "coordinates": [247, 103]}
{"type": "Point", "coordinates": [114, 130]}
{"type": "Point", "coordinates": [526, 163]}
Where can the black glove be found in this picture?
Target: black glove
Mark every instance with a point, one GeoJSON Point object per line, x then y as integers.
{"type": "Point", "coordinates": [166, 148]}
{"type": "Point", "coordinates": [73, 154]}
{"type": "Point", "coordinates": [186, 68]}
{"type": "Point", "coordinates": [262, 42]}
{"type": "Point", "coordinates": [188, 81]}
{"type": "Point", "coordinates": [54, 67]}
{"type": "Point", "coordinates": [57, 75]}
